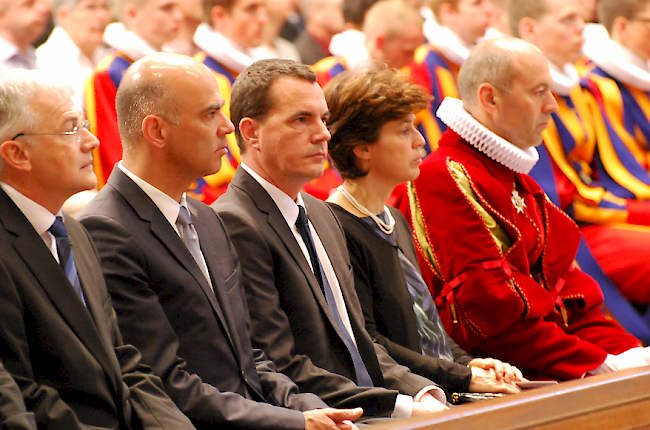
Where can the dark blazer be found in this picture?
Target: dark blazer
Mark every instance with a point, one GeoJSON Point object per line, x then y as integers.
{"type": "Point", "coordinates": [291, 319]}
{"type": "Point", "coordinates": [197, 340]}
{"type": "Point", "coordinates": [13, 414]}
{"type": "Point", "coordinates": [387, 304]}
{"type": "Point", "coordinates": [68, 359]}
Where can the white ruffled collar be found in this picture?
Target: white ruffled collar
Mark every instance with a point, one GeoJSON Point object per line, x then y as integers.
{"type": "Point", "coordinates": [126, 41]}
{"type": "Point", "coordinates": [452, 113]}
{"type": "Point", "coordinates": [350, 45]}
{"type": "Point", "coordinates": [222, 49]}
{"type": "Point", "coordinates": [620, 62]}
{"type": "Point", "coordinates": [448, 43]}
{"type": "Point", "coordinates": [565, 79]}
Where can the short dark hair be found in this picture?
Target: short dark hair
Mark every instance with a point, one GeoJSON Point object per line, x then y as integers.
{"type": "Point", "coordinates": [207, 6]}
{"type": "Point", "coordinates": [250, 97]}
{"type": "Point", "coordinates": [354, 11]}
{"type": "Point", "coordinates": [609, 10]}
{"type": "Point", "coordinates": [360, 103]}
{"type": "Point", "coordinates": [520, 9]}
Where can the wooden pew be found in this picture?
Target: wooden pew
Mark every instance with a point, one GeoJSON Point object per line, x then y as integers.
{"type": "Point", "coordinates": [618, 400]}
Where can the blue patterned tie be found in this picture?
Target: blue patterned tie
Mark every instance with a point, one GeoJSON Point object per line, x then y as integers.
{"type": "Point", "coordinates": [64, 250]}
{"type": "Point", "coordinates": [362, 375]}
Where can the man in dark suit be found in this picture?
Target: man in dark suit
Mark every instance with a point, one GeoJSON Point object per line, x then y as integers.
{"type": "Point", "coordinates": [299, 314]}
{"type": "Point", "coordinates": [13, 414]}
{"type": "Point", "coordinates": [169, 265]}
{"type": "Point", "coordinates": [59, 338]}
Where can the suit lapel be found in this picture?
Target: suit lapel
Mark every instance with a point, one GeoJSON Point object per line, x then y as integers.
{"type": "Point", "coordinates": [211, 260]}
{"type": "Point", "coordinates": [90, 278]}
{"type": "Point", "coordinates": [164, 232]}
{"type": "Point", "coordinates": [51, 277]}
{"type": "Point", "coordinates": [276, 221]}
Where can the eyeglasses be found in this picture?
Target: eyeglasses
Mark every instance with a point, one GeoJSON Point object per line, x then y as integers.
{"type": "Point", "coordinates": [643, 19]}
{"type": "Point", "coordinates": [75, 132]}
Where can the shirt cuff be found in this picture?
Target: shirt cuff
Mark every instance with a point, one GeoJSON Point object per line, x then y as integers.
{"type": "Point", "coordinates": [404, 403]}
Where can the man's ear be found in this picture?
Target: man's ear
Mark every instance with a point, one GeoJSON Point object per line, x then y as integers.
{"type": "Point", "coordinates": [249, 130]}
{"type": "Point", "coordinates": [62, 13]}
{"type": "Point", "coordinates": [619, 28]}
{"type": "Point", "coordinates": [527, 27]}
{"type": "Point", "coordinates": [489, 98]}
{"type": "Point", "coordinates": [216, 15]}
{"type": "Point", "coordinates": [16, 155]}
{"type": "Point", "coordinates": [129, 12]}
{"type": "Point", "coordinates": [153, 130]}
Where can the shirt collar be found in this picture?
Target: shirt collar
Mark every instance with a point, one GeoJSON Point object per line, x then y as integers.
{"type": "Point", "coordinates": [287, 206]}
{"type": "Point", "coordinates": [60, 42]}
{"type": "Point", "coordinates": [168, 206]}
{"type": "Point", "coordinates": [39, 217]}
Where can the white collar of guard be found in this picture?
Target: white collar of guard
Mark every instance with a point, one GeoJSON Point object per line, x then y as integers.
{"type": "Point", "coordinates": [449, 44]}
{"type": "Point", "coordinates": [126, 41]}
{"type": "Point", "coordinates": [452, 113]}
{"type": "Point", "coordinates": [222, 49]}
{"type": "Point", "coordinates": [565, 79]}
{"type": "Point", "coordinates": [621, 63]}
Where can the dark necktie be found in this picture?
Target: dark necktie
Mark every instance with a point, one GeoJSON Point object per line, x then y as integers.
{"type": "Point", "coordinates": [191, 240]}
{"type": "Point", "coordinates": [302, 223]}
{"type": "Point", "coordinates": [64, 250]}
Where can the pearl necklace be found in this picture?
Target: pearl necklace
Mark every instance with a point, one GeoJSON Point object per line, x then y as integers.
{"type": "Point", "coordinates": [386, 228]}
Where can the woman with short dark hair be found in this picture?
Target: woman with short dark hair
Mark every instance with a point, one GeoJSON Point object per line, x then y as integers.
{"type": "Point", "coordinates": [375, 146]}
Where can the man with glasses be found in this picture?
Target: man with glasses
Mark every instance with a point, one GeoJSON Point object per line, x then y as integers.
{"type": "Point", "coordinates": [620, 86]}
{"type": "Point", "coordinates": [60, 339]}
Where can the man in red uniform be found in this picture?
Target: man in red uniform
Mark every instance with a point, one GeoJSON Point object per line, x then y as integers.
{"type": "Point", "coordinates": [496, 253]}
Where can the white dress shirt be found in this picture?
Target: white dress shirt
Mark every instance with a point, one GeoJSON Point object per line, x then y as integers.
{"type": "Point", "coordinates": [167, 205]}
{"type": "Point", "coordinates": [289, 210]}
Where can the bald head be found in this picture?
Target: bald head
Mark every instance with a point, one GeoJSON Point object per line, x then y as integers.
{"type": "Point", "coordinates": [505, 83]}
{"type": "Point", "coordinates": [490, 61]}
{"type": "Point", "coordinates": [152, 86]}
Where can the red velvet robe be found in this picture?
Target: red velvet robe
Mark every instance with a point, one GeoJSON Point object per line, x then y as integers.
{"type": "Point", "coordinates": [530, 306]}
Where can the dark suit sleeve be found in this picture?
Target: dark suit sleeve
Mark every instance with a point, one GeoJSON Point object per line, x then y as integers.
{"type": "Point", "coordinates": [41, 400]}
{"type": "Point", "coordinates": [272, 330]}
{"type": "Point", "coordinates": [141, 315]}
{"type": "Point", "coordinates": [13, 414]}
{"type": "Point", "coordinates": [151, 407]}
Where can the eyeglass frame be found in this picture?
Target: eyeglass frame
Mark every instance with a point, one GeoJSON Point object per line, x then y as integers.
{"type": "Point", "coordinates": [75, 131]}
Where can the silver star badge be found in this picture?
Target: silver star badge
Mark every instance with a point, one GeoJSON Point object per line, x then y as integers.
{"type": "Point", "coordinates": [518, 202]}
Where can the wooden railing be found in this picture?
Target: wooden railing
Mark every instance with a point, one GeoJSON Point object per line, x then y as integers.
{"type": "Point", "coordinates": [618, 400]}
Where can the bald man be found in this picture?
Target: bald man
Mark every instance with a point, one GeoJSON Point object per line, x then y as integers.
{"type": "Point", "coordinates": [495, 252]}
{"type": "Point", "coordinates": [564, 170]}
{"type": "Point", "coordinates": [169, 265]}
{"type": "Point", "coordinates": [144, 27]}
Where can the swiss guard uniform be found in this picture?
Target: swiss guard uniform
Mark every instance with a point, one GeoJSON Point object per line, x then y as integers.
{"type": "Point", "coordinates": [436, 69]}
{"type": "Point", "coordinates": [498, 257]}
{"type": "Point", "coordinates": [619, 85]}
{"type": "Point", "coordinates": [564, 172]}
